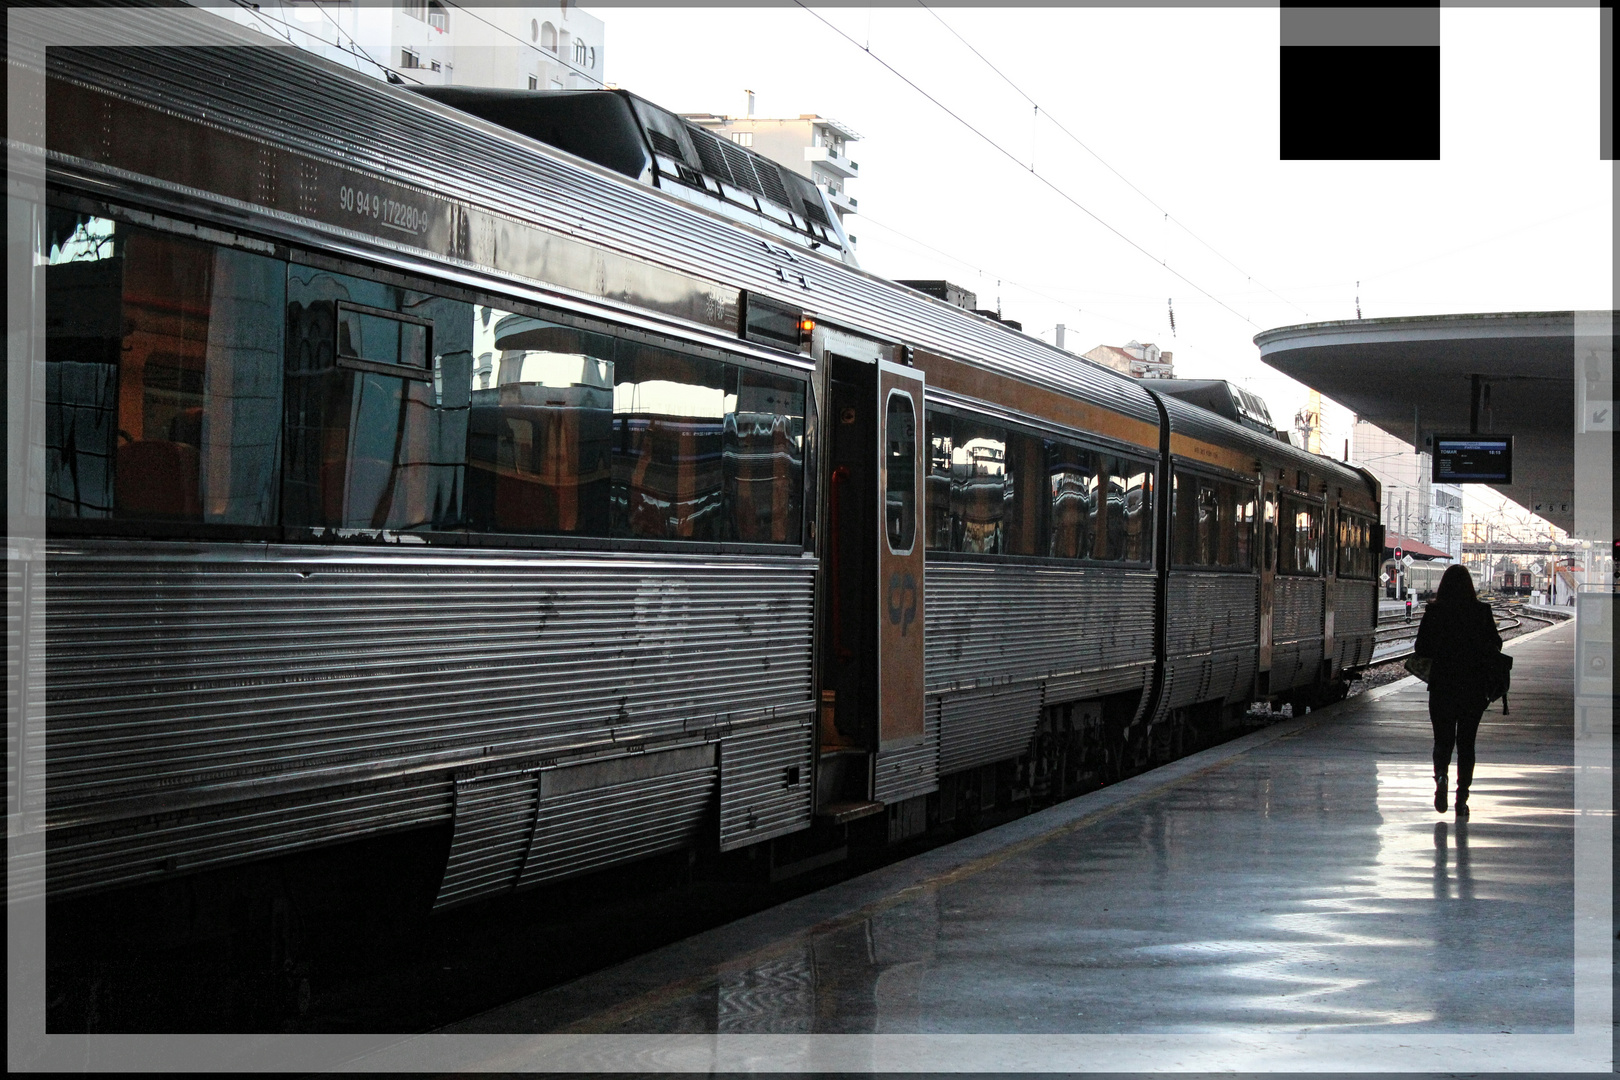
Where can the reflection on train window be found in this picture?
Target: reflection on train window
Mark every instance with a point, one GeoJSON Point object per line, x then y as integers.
{"type": "Point", "coordinates": [1242, 533]}
{"type": "Point", "coordinates": [1356, 557]}
{"type": "Point", "coordinates": [1014, 493]}
{"type": "Point", "coordinates": [900, 472]}
{"type": "Point", "coordinates": [1299, 549]}
{"type": "Point", "coordinates": [704, 450]}
{"type": "Point", "coordinates": [163, 387]}
{"type": "Point", "coordinates": [1071, 475]}
{"type": "Point", "coordinates": [668, 420]}
{"type": "Point", "coordinates": [586, 433]}
{"type": "Point", "coordinates": [938, 483]}
{"type": "Point", "coordinates": [763, 462]}
{"type": "Point", "coordinates": [1212, 527]}
{"type": "Point", "coordinates": [1270, 542]}
{"type": "Point", "coordinates": [367, 448]}
{"type": "Point", "coordinates": [1125, 512]}
{"type": "Point", "coordinates": [1027, 504]}
{"type": "Point", "coordinates": [381, 337]}
{"type": "Point", "coordinates": [540, 430]}
{"type": "Point", "coordinates": [1138, 539]}
{"type": "Point", "coordinates": [980, 490]}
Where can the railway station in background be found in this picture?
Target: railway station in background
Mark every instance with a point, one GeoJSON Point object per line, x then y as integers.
{"type": "Point", "coordinates": [499, 571]}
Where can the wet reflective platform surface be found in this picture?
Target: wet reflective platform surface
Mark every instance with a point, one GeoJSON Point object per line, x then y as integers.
{"type": "Point", "coordinates": [1297, 879]}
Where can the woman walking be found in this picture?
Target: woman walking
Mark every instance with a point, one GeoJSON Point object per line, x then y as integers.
{"type": "Point", "coordinates": [1458, 634]}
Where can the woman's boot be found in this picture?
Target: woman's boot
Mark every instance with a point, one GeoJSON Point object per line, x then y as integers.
{"type": "Point", "coordinates": [1440, 793]}
{"type": "Point", "coordinates": [1462, 801]}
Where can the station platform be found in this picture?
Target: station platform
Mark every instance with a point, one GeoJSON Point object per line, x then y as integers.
{"type": "Point", "coordinates": [1280, 901]}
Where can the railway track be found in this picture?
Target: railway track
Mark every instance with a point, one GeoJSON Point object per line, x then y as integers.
{"type": "Point", "coordinates": [1396, 634]}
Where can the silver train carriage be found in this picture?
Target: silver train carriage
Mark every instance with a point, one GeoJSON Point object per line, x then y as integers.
{"type": "Point", "coordinates": [402, 470]}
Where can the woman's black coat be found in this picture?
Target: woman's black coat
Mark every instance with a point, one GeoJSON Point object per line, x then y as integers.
{"type": "Point", "coordinates": [1460, 639]}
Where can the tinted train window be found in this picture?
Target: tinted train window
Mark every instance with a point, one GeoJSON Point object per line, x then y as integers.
{"type": "Point", "coordinates": [1071, 476]}
{"type": "Point", "coordinates": [1123, 518]}
{"type": "Point", "coordinates": [704, 450]}
{"type": "Point", "coordinates": [979, 488]}
{"type": "Point", "coordinates": [1213, 523]}
{"type": "Point", "coordinates": [763, 450]}
{"type": "Point", "coordinates": [1027, 502]}
{"type": "Point", "coordinates": [669, 414]}
{"type": "Point", "coordinates": [378, 380]}
{"type": "Point", "coordinates": [163, 376]}
{"type": "Point", "coordinates": [540, 428]}
{"type": "Point", "coordinates": [1356, 557]}
{"type": "Point", "coordinates": [1299, 534]}
{"type": "Point", "coordinates": [579, 432]}
{"type": "Point", "coordinates": [1245, 501]}
{"type": "Point", "coordinates": [937, 486]}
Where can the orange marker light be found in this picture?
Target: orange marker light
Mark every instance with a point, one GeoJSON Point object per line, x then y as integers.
{"type": "Point", "coordinates": [807, 326]}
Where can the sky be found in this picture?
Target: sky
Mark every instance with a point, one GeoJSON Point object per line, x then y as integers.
{"type": "Point", "coordinates": [1177, 199]}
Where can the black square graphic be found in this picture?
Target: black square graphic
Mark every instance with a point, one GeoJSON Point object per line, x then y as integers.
{"type": "Point", "coordinates": [1360, 102]}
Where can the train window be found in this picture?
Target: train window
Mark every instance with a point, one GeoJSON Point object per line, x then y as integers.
{"type": "Point", "coordinates": [375, 431]}
{"type": "Point", "coordinates": [163, 376]}
{"type": "Point", "coordinates": [979, 488]}
{"type": "Point", "coordinates": [1242, 533]}
{"type": "Point", "coordinates": [1300, 537]}
{"type": "Point", "coordinates": [381, 337]}
{"type": "Point", "coordinates": [1136, 536]}
{"type": "Point", "coordinates": [1356, 559]}
{"type": "Point", "coordinates": [540, 429]}
{"type": "Point", "coordinates": [669, 413]}
{"type": "Point", "coordinates": [1213, 524]}
{"type": "Point", "coordinates": [1268, 543]}
{"type": "Point", "coordinates": [580, 432]}
{"type": "Point", "coordinates": [763, 458]}
{"type": "Point", "coordinates": [938, 483]}
{"type": "Point", "coordinates": [1026, 499]}
{"type": "Point", "coordinates": [1071, 475]}
{"type": "Point", "coordinates": [1207, 526]}
{"type": "Point", "coordinates": [900, 488]}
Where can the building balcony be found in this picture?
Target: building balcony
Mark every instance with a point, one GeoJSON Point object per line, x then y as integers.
{"type": "Point", "coordinates": [833, 163]}
{"type": "Point", "coordinates": [840, 201]}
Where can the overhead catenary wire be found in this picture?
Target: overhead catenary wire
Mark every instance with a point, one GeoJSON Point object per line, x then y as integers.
{"type": "Point", "coordinates": [1169, 217]}
{"type": "Point", "coordinates": [342, 33]}
{"type": "Point", "coordinates": [285, 33]}
{"type": "Point", "coordinates": [984, 272]}
{"type": "Point", "coordinates": [1010, 156]}
{"type": "Point", "coordinates": [549, 54]}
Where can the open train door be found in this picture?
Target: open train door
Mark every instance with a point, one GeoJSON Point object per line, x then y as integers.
{"type": "Point", "coordinates": [871, 632]}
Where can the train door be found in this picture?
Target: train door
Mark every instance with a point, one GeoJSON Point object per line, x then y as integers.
{"type": "Point", "coordinates": [871, 654]}
{"type": "Point", "coordinates": [1268, 576]}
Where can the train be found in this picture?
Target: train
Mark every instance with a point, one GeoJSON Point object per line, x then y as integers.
{"type": "Point", "coordinates": [543, 471]}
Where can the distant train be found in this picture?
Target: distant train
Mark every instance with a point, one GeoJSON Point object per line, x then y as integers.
{"type": "Point", "coordinates": [405, 472]}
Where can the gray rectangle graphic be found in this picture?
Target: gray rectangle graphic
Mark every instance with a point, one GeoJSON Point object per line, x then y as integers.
{"type": "Point", "coordinates": [1361, 26]}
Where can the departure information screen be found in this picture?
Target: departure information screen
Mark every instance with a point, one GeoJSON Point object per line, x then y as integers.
{"type": "Point", "coordinates": [1473, 459]}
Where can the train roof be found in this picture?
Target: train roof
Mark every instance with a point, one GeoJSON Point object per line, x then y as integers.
{"type": "Point", "coordinates": [292, 99]}
{"type": "Point", "coordinates": [1199, 435]}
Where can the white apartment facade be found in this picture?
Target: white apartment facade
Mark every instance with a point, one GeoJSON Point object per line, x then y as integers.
{"type": "Point", "coordinates": [431, 42]}
{"type": "Point", "coordinates": [811, 145]}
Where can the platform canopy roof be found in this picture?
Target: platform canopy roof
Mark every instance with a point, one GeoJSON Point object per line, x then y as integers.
{"type": "Point", "coordinates": [1412, 377]}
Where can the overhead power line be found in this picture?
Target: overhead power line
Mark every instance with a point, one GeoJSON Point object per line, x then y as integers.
{"type": "Point", "coordinates": [1053, 120]}
{"type": "Point", "coordinates": [549, 54]}
{"type": "Point", "coordinates": [1010, 156]}
{"type": "Point", "coordinates": [982, 271]}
